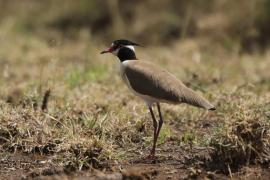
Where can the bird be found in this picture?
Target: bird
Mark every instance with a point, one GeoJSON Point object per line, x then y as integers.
{"type": "Point", "coordinates": [153, 84]}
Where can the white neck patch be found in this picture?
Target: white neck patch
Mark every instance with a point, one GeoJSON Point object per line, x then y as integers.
{"type": "Point", "coordinates": [131, 47]}
{"type": "Point", "coordinates": [115, 52]}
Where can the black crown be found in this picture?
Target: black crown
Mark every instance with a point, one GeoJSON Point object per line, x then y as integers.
{"type": "Point", "coordinates": [124, 42]}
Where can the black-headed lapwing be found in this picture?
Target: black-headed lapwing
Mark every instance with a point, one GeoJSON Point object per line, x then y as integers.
{"type": "Point", "coordinates": [153, 84]}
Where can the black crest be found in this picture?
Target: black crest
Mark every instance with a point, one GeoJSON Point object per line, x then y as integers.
{"type": "Point", "coordinates": [124, 42]}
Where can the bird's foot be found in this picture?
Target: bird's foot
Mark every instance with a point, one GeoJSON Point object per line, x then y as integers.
{"type": "Point", "coordinates": [151, 158]}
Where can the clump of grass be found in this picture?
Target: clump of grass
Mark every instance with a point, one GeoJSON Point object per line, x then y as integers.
{"type": "Point", "coordinates": [165, 133]}
{"type": "Point", "coordinates": [189, 137]}
{"type": "Point", "coordinates": [28, 131]}
{"type": "Point", "coordinates": [82, 156]}
{"type": "Point", "coordinates": [16, 137]}
{"type": "Point", "coordinates": [241, 143]}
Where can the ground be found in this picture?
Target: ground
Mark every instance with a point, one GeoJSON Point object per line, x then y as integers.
{"type": "Point", "coordinates": [90, 125]}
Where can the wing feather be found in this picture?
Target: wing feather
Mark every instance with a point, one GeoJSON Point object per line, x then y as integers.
{"type": "Point", "coordinates": [148, 79]}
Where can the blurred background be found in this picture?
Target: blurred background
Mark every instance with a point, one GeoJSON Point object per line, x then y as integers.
{"type": "Point", "coordinates": [242, 24]}
{"type": "Point", "coordinates": [56, 44]}
{"type": "Point", "coordinates": [59, 95]}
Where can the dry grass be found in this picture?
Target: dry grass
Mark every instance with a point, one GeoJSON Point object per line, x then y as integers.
{"type": "Point", "coordinates": [243, 139]}
{"type": "Point", "coordinates": [91, 119]}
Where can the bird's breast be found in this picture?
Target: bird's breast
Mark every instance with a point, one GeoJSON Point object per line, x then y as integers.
{"type": "Point", "coordinates": [148, 100]}
{"type": "Point", "coordinates": [124, 77]}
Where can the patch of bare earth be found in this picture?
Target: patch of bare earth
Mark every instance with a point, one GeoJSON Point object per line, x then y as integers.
{"type": "Point", "coordinates": [175, 163]}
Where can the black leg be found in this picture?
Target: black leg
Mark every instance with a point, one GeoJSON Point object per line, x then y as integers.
{"type": "Point", "coordinates": [155, 130]}
{"type": "Point", "coordinates": [160, 123]}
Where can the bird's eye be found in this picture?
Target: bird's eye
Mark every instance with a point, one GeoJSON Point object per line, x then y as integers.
{"type": "Point", "coordinates": [116, 46]}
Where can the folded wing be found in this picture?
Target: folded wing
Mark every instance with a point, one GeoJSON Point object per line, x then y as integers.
{"type": "Point", "coordinates": [148, 79]}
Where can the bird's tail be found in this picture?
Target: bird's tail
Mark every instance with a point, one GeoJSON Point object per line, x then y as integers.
{"type": "Point", "coordinates": [193, 98]}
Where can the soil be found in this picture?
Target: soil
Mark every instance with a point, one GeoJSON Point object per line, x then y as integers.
{"type": "Point", "coordinates": [172, 162]}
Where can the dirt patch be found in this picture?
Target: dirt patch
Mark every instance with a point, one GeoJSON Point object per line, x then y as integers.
{"type": "Point", "coordinates": [172, 163]}
{"type": "Point", "coordinates": [17, 165]}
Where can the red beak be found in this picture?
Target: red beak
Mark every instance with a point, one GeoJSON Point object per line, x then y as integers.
{"type": "Point", "coordinates": [108, 50]}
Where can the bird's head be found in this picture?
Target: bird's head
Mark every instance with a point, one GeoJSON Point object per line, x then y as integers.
{"type": "Point", "coordinates": [123, 49]}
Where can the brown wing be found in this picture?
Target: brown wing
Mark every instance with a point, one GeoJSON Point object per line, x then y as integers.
{"type": "Point", "coordinates": [148, 79]}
